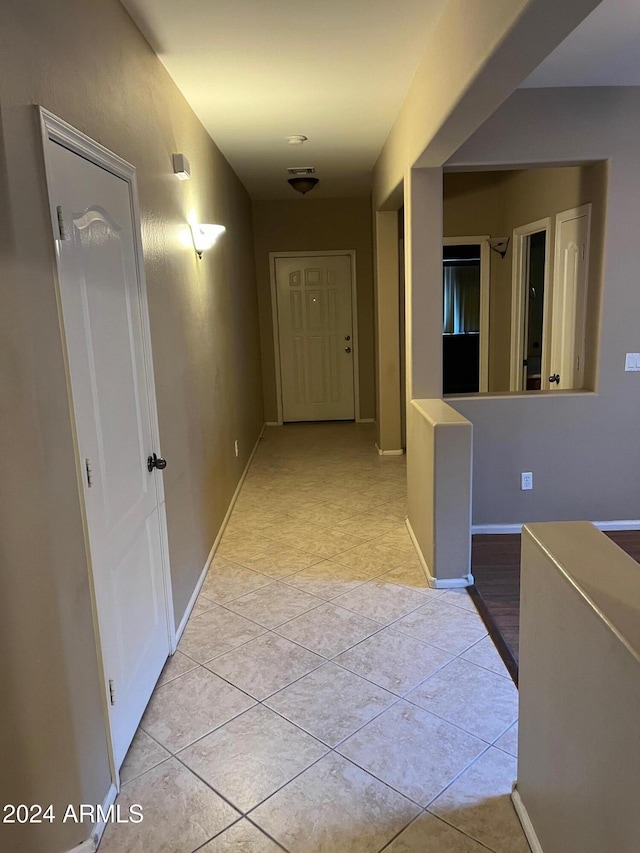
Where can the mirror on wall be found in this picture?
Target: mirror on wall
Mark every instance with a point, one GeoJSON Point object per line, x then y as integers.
{"type": "Point", "coordinates": [521, 295]}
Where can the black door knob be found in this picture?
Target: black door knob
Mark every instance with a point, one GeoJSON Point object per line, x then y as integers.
{"type": "Point", "coordinates": [154, 461]}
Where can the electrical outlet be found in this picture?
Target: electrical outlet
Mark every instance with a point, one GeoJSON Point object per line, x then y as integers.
{"type": "Point", "coordinates": [236, 446]}
{"type": "Point", "coordinates": [526, 481]}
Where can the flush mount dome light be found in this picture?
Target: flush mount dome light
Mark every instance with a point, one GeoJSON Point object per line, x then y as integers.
{"type": "Point", "coordinates": [297, 139]}
{"type": "Point", "coordinates": [303, 185]}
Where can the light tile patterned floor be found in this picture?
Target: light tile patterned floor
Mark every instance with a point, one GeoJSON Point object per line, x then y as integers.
{"type": "Point", "coordinates": [323, 698]}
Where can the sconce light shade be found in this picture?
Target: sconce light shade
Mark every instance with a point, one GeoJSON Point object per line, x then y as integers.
{"type": "Point", "coordinates": [181, 167]}
{"type": "Point", "coordinates": [303, 185]}
{"type": "Point", "coordinates": [205, 236]}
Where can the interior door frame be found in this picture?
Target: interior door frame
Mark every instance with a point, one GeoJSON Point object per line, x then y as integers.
{"type": "Point", "coordinates": [351, 253]}
{"type": "Point", "coordinates": [57, 130]}
{"type": "Point", "coordinates": [519, 272]}
{"type": "Point", "coordinates": [485, 286]}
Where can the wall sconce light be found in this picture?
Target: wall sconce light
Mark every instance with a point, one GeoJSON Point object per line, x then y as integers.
{"type": "Point", "coordinates": [499, 245]}
{"type": "Point", "coordinates": [205, 236]}
{"type": "Point", "coordinates": [181, 167]}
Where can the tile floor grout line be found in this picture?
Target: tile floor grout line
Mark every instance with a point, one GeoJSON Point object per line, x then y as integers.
{"type": "Point", "coordinates": [464, 832]}
{"type": "Point", "coordinates": [291, 474]}
{"type": "Point", "coordinates": [458, 775]}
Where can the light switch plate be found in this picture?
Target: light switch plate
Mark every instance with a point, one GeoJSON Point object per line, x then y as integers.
{"type": "Point", "coordinates": [632, 361]}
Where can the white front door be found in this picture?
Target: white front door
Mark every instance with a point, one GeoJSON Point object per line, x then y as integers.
{"type": "Point", "coordinates": [104, 314]}
{"type": "Point", "coordinates": [315, 330]}
{"type": "Point", "coordinates": [570, 298]}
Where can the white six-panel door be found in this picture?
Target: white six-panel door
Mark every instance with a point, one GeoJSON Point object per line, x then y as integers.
{"type": "Point", "coordinates": [103, 316]}
{"type": "Point", "coordinates": [315, 331]}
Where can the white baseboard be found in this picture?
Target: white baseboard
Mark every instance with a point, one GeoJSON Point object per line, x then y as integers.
{"type": "Point", "coordinates": [389, 452]}
{"type": "Point", "coordinates": [364, 420]}
{"type": "Point", "coordinates": [273, 423]}
{"type": "Point", "coordinates": [90, 844]}
{"type": "Point", "coordinates": [624, 524]}
{"type": "Point", "coordinates": [496, 529]}
{"type": "Point", "coordinates": [437, 583]}
{"type": "Point", "coordinates": [214, 547]}
{"type": "Point", "coordinates": [87, 846]}
{"type": "Point", "coordinates": [525, 820]}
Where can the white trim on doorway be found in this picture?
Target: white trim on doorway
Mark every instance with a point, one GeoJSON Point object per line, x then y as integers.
{"type": "Point", "coordinates": [351, 253]}
{"type": "Point", "coordinates": [485, 284]}
{"type": "Point", "coordinates": [57, 130]}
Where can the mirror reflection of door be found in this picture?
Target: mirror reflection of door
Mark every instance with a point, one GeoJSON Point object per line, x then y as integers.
{"type": "Point", "coordinates": [465, 315]}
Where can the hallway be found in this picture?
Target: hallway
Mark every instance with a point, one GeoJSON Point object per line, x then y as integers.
{"type": "Point", "coordinates": [323, 698]}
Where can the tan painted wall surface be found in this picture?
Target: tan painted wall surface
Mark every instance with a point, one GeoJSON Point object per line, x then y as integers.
{"type": "Point", "coordinates": [577, 446]}
{"type": "Point", "coordinates": [472, 62]}
{"type": "Point", "coordinates": [305, 224]}
{"type": "Point", "coordinates": [87, 63]}
{"type": "Point", "coordinates": [439, 485]}
{"type": "Point", "coordinates": [387, 317]}
{"type": "Point", "coordinates": [579, 750]}
{"type": "Point", "coordinates": [495, 203]}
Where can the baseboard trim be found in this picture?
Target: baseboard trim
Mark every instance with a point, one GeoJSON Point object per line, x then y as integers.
{"type": "Point", "coordinates": [216, 543]}
{"type": "Point", "coordinates": [437, 583]}
{"type": "Point", "coordinates": [525, 820]}
{"type": "Point", "coordinates": [90, 844]}
{"type": "Point", "coordinates": [87, 846]}
{"type": "Point", "coordinates": [497, 529]}
{"type": "Point", "coordinates": [623, 524]}
{"type": "Point", "coordinates": [389, 452]}
{"type": "Point", "coordinates": [273, 423]}
{"type": "Point", "coordinates": [364, 420]}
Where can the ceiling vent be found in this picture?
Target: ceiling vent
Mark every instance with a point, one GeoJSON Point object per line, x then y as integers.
{"type": "Point", "coordinates": [299, 171]}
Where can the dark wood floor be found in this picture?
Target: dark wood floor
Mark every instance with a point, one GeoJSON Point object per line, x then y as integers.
{"type": "Point", "coordinates": [495, 563]}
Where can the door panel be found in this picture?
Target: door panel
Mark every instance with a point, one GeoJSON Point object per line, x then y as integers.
{"type": "Point", "coordinates": [315, 328]}
{"type": "Point", "coordinates": [569, 297]}
{"type": "Point", "coordinates": [103, 321]}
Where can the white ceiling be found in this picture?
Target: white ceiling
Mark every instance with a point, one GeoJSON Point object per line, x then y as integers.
{"type": "Point", "coordinates": [603, 51]}
{"type": "Point", "coordinates": [257, 71]}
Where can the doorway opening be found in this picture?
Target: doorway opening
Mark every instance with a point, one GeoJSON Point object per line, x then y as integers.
{"type": "Point", "coordinates": [530, 307]}
{"type": "Point", "coordinates": [465, 282]}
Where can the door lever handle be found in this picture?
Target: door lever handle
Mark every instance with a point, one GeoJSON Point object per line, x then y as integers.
{"type": "Point", "coordinates": [154, 461]}
{"type": "Point", "coordinates": [555, 378]}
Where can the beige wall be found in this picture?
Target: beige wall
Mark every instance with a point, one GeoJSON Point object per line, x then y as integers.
{"type": "Point", "coordinates": [306, 224]}
{"type": "Point", "coordinates": [576, 445]}
{"type": "Point", "coordinates": [579, 751]}
{"type": "Point", "coordinates": [472, 62]}
{"type": "Point", "coordinates": [87, 63]}
{"type": "Point", "coordinates": [497, 202]}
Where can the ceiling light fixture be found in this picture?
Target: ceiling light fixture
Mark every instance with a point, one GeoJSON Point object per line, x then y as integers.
{"type": "Point", "coordinates": [303, 185]}
{"type": "Point", "coordinates": [205, 236]}
{"type": "Point", "coordinates": [181, 167]}
{"type": "Point", "coordinates": [297, 139]}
